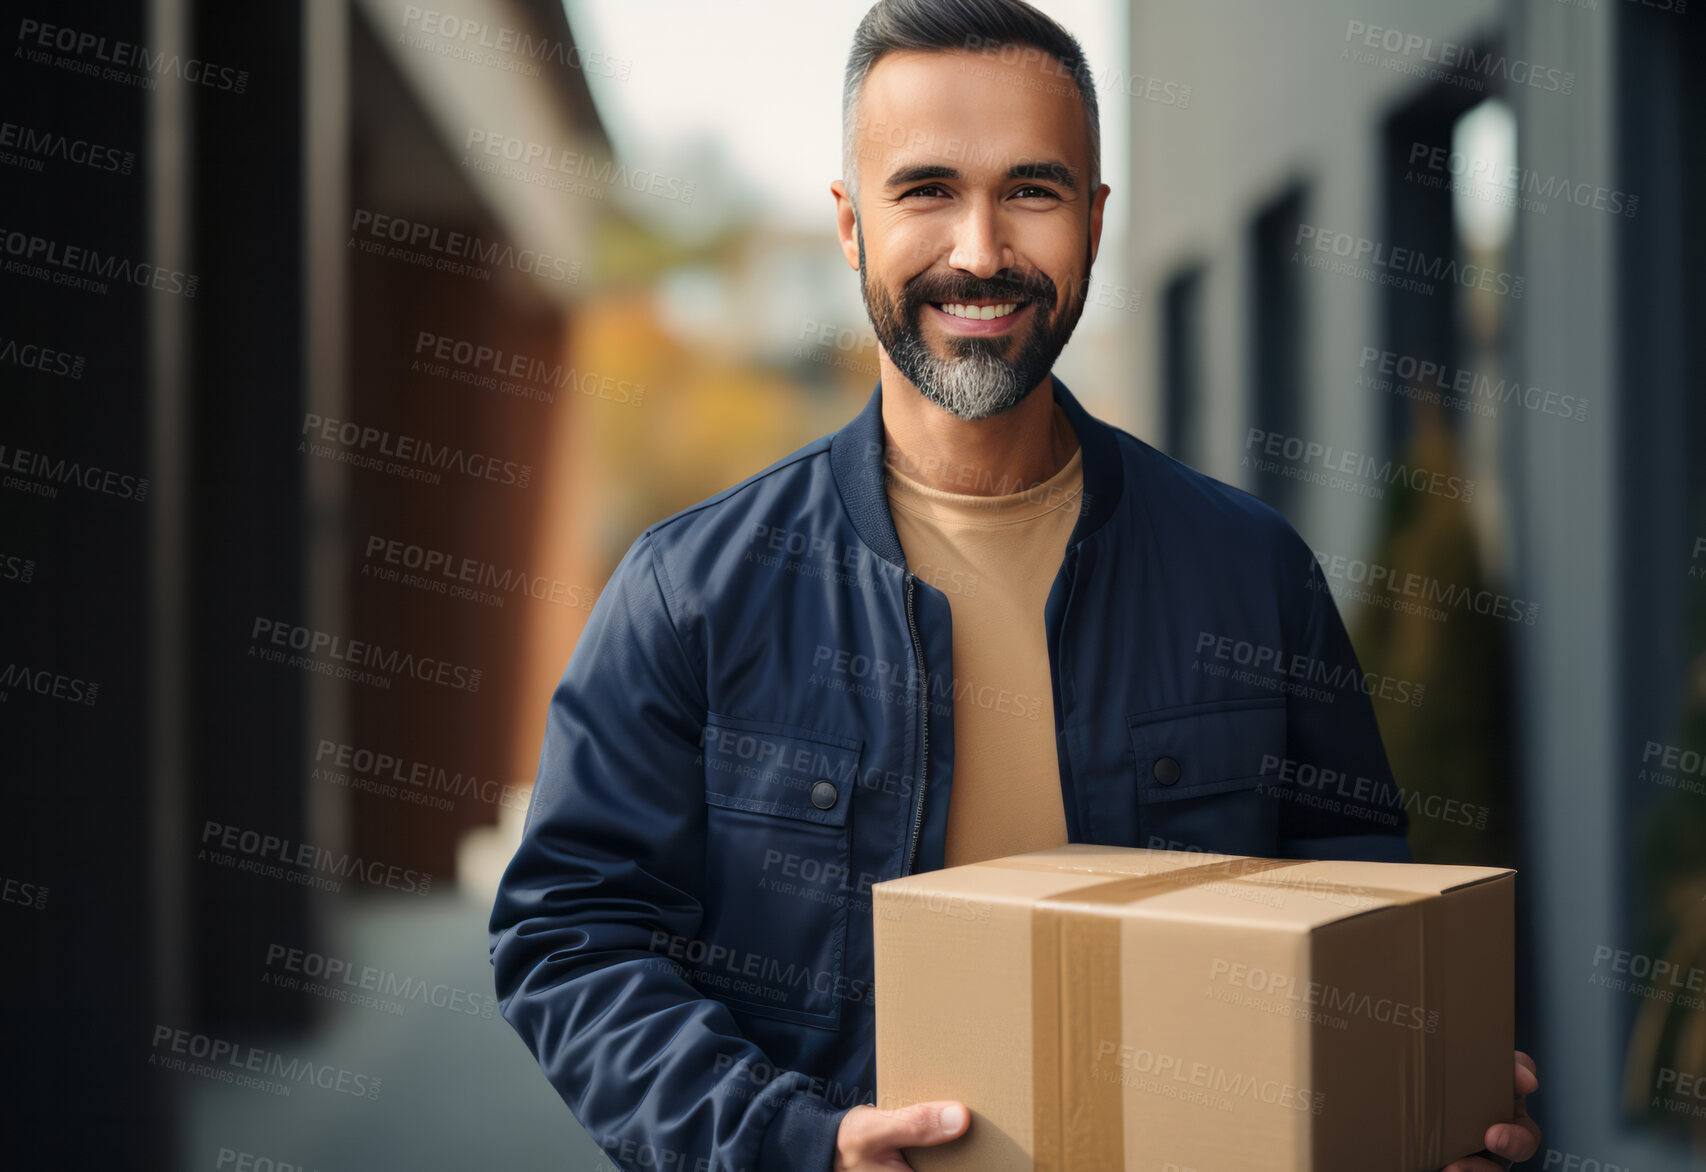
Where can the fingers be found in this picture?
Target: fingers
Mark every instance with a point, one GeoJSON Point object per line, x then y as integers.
{"type": "Point", "coordinates": [1527, 1077]}
{"type": "Point", "coordinates": [950, 1120]}
{"type": "Point", "coordinates": [1520, 1138]}
{"type": "Point", "coordinates": [917, 1125]}
{"type": "Point", "coordinates": [1517, 1140]}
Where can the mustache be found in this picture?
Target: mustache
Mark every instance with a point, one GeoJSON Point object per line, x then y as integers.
{"type": "Point", "coordinates": [926, 288]}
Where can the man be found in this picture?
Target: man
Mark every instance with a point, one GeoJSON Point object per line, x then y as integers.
{"type": "Point", "coordinates": [974, 621]}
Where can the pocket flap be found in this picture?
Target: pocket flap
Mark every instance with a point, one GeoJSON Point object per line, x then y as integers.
{"type": "Point", "coordinates": [1210, 748]}
{"type": "Point", "coordinates": [769, 768]}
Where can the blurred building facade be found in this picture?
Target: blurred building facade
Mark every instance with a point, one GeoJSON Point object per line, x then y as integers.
{"type": "Point", "coordinates": [314, 640]}
{"type": "Point", "coordinates": [1427, 279]}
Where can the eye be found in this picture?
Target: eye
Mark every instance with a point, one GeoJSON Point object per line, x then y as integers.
{"type": "Point", "coordinates": [1035, 191]}
{"type": "Point", "coordinates": [937, 187]}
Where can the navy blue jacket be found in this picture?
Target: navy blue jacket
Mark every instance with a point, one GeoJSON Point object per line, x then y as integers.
{"type": "Point", "coordinates": [757, 724]}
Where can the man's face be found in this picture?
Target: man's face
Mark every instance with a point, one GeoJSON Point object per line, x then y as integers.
{"type": "Point", "coordinates": [973, 185]}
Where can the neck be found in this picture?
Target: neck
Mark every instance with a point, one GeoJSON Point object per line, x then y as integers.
{"type": "Point", "coordinates": [1006, 453]}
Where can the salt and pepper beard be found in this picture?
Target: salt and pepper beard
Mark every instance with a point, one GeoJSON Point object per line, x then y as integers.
{"type": "Point", "coordinates": [977, 381]}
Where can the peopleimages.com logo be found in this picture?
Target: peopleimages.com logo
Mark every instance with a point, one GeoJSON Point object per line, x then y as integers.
{"type": "Point", "coordinates": [1304, 675]}
{"type": "Point", "coordinates": [1385, 586]}
{"type": "Point", "coordinates": [43, 682]}
{"type": "Point", "coordinates": [43, 475]}
{"type": "Point", "coordinates": [449, 251]}
{"type": "Point", "coordinates": [1177, 1077]}
{"type": "Point", "coordinates": [269, 853]}
{"type": "Point", "coordinates": [78, 266]}
{"type": "Point", "coordinates": [356, 653]}
{"type": "Point", "coordinates": [1447, 61]}
{"type": "Point", "coordinates": [1318, 462]}
{"type": "Point", "coordinates": [112, 59]}
{"type": "Point", "coordinates": [406, 455]}
{"type": "Point", "coordinates": [1397, 265]}
{"type": "Point", "coordinates": [452, 35]}
{"type": "Point", "coordinates": [367, 986]}
{"type": "Point", "coordinates": [226, 1061]}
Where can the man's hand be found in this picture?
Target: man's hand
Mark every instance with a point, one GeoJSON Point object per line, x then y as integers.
{"type": "Point", "coordinates": [1517, 1140]}
{"type": "Point", "coordinates": [870, 1139]}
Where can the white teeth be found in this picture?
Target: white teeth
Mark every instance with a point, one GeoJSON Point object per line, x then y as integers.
{"type": "Point", "coordinates": [980, 312]}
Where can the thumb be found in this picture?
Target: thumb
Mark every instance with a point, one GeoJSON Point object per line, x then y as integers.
{"type": "Point", "coordinates": [922, 1124]}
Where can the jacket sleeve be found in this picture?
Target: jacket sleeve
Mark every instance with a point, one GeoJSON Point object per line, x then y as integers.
{"type": "Point", "coordinates": [611, 863]}
{"type": "Point", "coordinates": [1341, 801]}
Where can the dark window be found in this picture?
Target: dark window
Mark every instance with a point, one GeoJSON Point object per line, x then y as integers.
{"type": "Point", "coordinates": [1276, 323]}
{"type": "Point", "coordinates": [1181, 365]}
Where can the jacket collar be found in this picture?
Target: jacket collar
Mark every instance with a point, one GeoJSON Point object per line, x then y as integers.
{"type": "Point", "coordinates": [856, 457]}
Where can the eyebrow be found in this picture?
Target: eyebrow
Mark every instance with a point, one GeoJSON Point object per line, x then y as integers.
{"type": "Point", "coordinates": [1055, 172]}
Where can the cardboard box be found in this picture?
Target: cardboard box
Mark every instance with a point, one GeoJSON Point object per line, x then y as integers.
{"type": "Point", "coordinates": [1112, 1008]}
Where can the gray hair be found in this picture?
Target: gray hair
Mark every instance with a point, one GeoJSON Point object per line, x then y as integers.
{"type": "Point", "coordinates": [943, 25]}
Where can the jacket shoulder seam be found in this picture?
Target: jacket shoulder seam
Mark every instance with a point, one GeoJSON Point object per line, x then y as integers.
{"type": "Point", "coordinates": [1258, 509]}
{"type": "Point", "coordinates": [817, 447]}
{"type": "Point", "coordinates": [666, 594]}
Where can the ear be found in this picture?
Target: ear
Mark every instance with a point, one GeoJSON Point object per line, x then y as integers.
{"type": "Point", "coordinates": [1097, 203]}
{"type": "Point", "coordinates": [844, 224]}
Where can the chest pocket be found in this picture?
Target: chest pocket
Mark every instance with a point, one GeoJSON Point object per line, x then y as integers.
{"type": "Point", "coordinates": [1207, 775]}
{"type": "Point", "coordinates": [778, 800]}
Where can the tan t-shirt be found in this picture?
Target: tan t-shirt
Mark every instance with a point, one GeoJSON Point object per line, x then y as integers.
{"type": "Point", "coordinates": [996, 557]}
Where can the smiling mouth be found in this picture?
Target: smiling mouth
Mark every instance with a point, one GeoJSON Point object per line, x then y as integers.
{"type": "Point", "coordinates": [980, 312]}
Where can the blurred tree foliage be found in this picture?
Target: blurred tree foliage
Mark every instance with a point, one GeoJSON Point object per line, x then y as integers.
{"type": "Point", "coordinates": [1669, 1030]}
{"type": "Point", "coordinates": [1451, 755]}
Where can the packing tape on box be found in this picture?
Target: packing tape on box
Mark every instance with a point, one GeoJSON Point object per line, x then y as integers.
{"type": "Point", "coordinates": [1078, 1119]}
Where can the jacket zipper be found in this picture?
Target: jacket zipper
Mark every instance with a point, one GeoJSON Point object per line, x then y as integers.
{"type": "Point", "coordinates": [1067, 784]}
{"type": "Point", "coordinates": [923, 726]}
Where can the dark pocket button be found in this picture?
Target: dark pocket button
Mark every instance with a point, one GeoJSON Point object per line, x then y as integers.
{"type": "Point", "coordinates": [823, 795]}
{"type": "Point", "coordinates": [1166, 771]}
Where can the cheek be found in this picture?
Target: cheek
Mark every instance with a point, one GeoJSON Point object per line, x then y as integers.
{"type": "Point", "coordinates": [1051, 230]}
{"type": "Point", "coordinates": [1065, 267]}
{"type": "Point", "coordinates": [1061, 262]}
{"type": "Point", "coordinates": [907, 242]}
{"type": "Point", "coordinates": [912, 251]}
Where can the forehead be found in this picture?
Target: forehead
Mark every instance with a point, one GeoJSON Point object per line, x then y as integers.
{"type": "Point", "coordinates": [980, 111]}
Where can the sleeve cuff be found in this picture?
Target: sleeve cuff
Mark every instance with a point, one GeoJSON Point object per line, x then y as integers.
{"type": "Point", "coordinates": [801, 1136]}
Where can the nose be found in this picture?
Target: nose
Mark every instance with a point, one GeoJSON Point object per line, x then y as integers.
{"type": "Point", "coordinates": [979, 244]}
